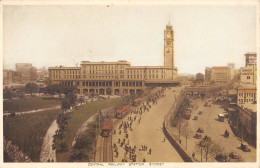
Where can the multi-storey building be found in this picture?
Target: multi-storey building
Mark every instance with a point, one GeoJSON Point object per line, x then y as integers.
{"type": "Point", "coordinates": [119, 77]}
{"type": "Point", "coordinates": [220, 75]}
{"type": "Point", "coordinates": [27, 71]}
{"type": "Point", "coordinates": [10, 77]}
{"type": "Point", "coordinates": [248, 74]}
{"type": "Point", "coordinates": [246, 93]}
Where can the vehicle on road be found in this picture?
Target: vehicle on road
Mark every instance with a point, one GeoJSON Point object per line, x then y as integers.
{"type": "Point", "coordinates": [200, 112]}
{"type": "Point", "coordinates": [221, 117]}
{"type": "Point", "coordinates": [186, 115]}
{"type": "Point", "coordinates": [222, 157]}
{"type": "Point", "coordinates": [207, 138]}
{"type": "Point", "coordinates": [234, 155]}
{"type": "Point", "coordinates": [226, 134]}
{"type": "Point", "coordinates": [197, 136]}
{"type": "Point", "coordinates": [245, 148]}
{"type": "Point", "coordinates": [200, 130]}
{"type": "Point", "coordinates": [195, 118]}
{"type": "Point", "coordinates": [137, 101]}
{"type": "Point", "coordinates": [122, 111]}
{"type": "Point", "coordinates": [106, 128]}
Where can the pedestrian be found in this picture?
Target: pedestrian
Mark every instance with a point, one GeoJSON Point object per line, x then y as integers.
{"type": "Point", "coordinates": [193, 155]}
{"type": "Point", "coordinates": [144, 160]}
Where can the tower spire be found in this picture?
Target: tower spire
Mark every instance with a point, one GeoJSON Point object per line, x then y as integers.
{"type": "Point", "coordinates": [169, 23]}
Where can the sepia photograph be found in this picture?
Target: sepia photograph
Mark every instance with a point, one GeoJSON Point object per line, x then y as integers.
{"type": "Point", "coordinates": [115, 84]}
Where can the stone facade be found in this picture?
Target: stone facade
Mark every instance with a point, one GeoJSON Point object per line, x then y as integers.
{"type": "Point", "coordinates": [119, 77]}
{"type": "Point", "coordinates": [248, 74]}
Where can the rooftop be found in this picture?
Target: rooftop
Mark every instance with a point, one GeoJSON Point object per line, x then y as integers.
{"type": "Point", "coordinates": [220, 67]}
{"type": "Point", "coordinates": [247, 86]}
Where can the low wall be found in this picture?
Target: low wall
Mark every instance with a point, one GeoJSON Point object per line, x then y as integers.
{"type": "Point", "coordinates": [176, 146]}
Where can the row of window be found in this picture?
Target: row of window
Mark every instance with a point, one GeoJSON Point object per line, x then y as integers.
{"type": "Point", "coordinates": [102, 83]}
{"type": "Point", "coordinates": [246, 94]}
{"type": "Point", "coordinates": [104, 67]}
{"type": "Point", "coordinates": [65, 72]}
{"type": "Point", "coordinates": [110, 77]}
{"type": "Point", "coordinates": [66, 76]}
{"type": "Point", "coordinates": [246, 100]}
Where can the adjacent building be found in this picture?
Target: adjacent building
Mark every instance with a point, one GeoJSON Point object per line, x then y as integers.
{"type": "Point", "coordinates": [248, 75]}
{"type": "Point", "coordinates": [221, 75]}
{"type": "Point", "coordinates": [119, 77]}
{"type": "Point", "coordinates": [246, 93]}
{"type": "Point", "coordinates": [10, 77]}
{"type": "Point", "coordinates": [251, 59]}
{"type": "Point", "coordinates": [27, 71]}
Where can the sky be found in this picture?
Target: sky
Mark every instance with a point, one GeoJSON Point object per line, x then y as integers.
{"type": "Point", "coordinates": [205, 36]}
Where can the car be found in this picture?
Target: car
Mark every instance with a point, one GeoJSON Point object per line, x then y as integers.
{"type": "Point", "coordinates": [222, 157]}
{"type": "Point", "coordinates": [207, 138]}
{"type": "Point", "coordinates": [200, 130]}
{"type": "Point", "coordinates": [245, 148]}
{"type": "Point", "coordinates": [234, 155]}
{"type": "Point", "coordinates": [197, 136]}
{"type": "Point", "coordinates": [195, 118]}
{"type": "Point", "coordinates": [200, 113]}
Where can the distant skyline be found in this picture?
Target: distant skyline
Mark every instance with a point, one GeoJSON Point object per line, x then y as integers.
{"type": "Point", "coordinates": [205, 36]}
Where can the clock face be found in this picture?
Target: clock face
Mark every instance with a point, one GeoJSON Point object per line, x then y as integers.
{"type": "Point", "coordinates": [168, 35]}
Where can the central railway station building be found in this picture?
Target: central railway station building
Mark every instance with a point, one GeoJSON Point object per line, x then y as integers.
{"type": "Point", "coordinates": [119, 78]}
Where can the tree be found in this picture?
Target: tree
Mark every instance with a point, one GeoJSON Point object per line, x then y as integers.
{"type": "Point", "coordinates": [65, 105]}
{"type": "Point", "coordinates": [69, 89]}
{"type": "Point", "coordinates": [179, 126]}
{"type": "Point", "coordinates": [209, 149]}
{"type": "Point", "coordinates": [59, 89]}
{"type": "Point", "coordinates": [199, 78]}
{"type": "Point", "coordinates": [50, 90]}
{"type": "Point", "coordinates": [72, 99]}
{"type": "Point", "coordinates": [81, 100]}
{"type": "Point", "coordinates": [31, 88]}
{"type": "Point", "coordinates": [186, 132]}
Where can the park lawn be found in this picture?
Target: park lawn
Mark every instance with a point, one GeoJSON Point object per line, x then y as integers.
{"type": "Point", "coordinates": [78, 117]}
{"type": "Point", "coordinates": [27, 131]}
{"type": "Point", "coordinates": [28, 104]}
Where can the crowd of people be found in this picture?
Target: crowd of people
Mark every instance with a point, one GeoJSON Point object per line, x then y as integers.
{"type": "Point", "coordinates": [124, 129]}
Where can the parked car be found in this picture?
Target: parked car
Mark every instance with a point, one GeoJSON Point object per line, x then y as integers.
{"type": "Point", "coordinates": [245, 148]}
{"type": "Point", "coordinates": [234, 155]}
{"type": "Point", "coordinates": [197, 136]}
{"type": "Point", "coordinates": [207, 138]}
{"type": "Point", "coordinates": [226, 134]}
{"type": "Point", "coordinates": [222, 157]}
{"type": "Point", "coordinates": [200, 130]}
{"type": "Point", "coordinates": [195, 118]}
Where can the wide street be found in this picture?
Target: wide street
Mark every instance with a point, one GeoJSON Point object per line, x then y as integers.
{"type": "Point", "coordinates": [213, 128]}
{"type": "Point", "coordinates": [149, 133]}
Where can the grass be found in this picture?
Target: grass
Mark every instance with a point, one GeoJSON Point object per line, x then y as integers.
{"type": "Point", "coordinates": [82, 150]}
{"type": "Point", "coordinates": [77, 118]}
{"type": "Point", "coordinates": [174, 120]}
{"type": "Point", "coordinates": [27, 131]}
{"type": "Point", "coordinates": [27, 104]}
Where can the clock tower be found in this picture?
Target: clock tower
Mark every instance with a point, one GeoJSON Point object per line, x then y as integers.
{"type": "Point", "coordinates": [168, 46]}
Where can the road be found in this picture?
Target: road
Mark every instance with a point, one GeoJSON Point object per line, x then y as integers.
{"type": "Point", "coordinates": [149, 133]}
{"type": "Point", "coordinates": [213, 128]}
